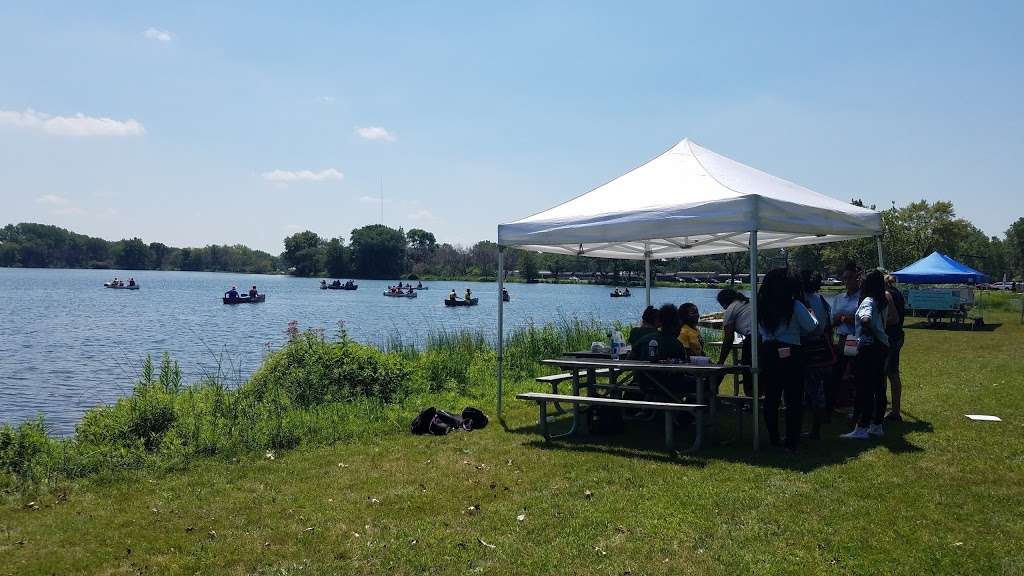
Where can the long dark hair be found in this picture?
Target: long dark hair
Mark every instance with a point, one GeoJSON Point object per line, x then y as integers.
{"type": "Point", "coordinates": [775, 298]}
{"type": "Point", "coordinates": [650, 316]}
{"type": "Point", "coordinates": [685, 314]}
{"type": "Point", "coordinates": [727, 296]}
{"type": "Point", "coordinates": [874, 286]}
{"type": "Point", "coordinates": [668, 316]}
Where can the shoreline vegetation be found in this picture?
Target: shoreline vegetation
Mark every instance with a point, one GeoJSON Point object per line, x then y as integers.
{"type": "Point", "coordinates": [377, 251]}
{"type": "Point", "coordinates": [308, 468]}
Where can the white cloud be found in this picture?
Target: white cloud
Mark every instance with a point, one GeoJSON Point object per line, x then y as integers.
{"type": "Point", "coordinates": [422, 215]}
{"type": "Point", "coordinates": [376, 133]}
{"type": "Point", "coordinates": [325, 99]}
{"type": "Point", "coordinates": [77, 125]}
{"type": "Point", "coordinates": [158, 35]}
{"type": "Point", "coordinates": [302, 175]}
{"type": "Point", "coordinates": [52, 200]}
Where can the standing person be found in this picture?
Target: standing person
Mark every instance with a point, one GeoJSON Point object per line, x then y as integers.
{"type": "Point", "coordinates": [819, 352]}
{"type": "Point", "coordinates": [784, 321]}
{"type": "Point", "coordinates": [869, 363]}
{"type": "Point", "coordinates": [894, 330]}
{"type": "Point", "coordinates": [737, 320]}
{"type": "Point", "coordinates": [844, 307]}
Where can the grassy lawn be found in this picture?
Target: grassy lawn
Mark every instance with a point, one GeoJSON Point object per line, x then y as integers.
{"type": "Point", "coordinates": [939, 495]}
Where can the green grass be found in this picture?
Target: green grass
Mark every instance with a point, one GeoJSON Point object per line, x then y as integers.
{"type": "Point", "coordinates": [940, 495]}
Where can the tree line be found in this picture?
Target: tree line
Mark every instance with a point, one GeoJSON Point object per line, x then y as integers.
{"type": "Point", "coordinates": [377, 251]}
{"type": "Point", "coordinates": [44, 246]}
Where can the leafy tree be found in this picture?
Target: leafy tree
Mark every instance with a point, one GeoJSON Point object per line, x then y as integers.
{"type": "Point", "coordinates": [1014, 247]}
{"type": "Point", "coordinates": [337, 259]}
{"type": "Point", "coordinates": [378, 251]}
{"type": "Point", "coordinates": [132, 255]}
{"type": "Point", "coordinates": [158, 252]}
{"type": "Point", "coordinates": [421, 244]}
{"type": "Point", "coordinates": [528, 265]}
{"type": "Point", "coordinates": [304, 252]}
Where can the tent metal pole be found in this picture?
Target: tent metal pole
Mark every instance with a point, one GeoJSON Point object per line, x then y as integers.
{"type": "Point", "coordinates": [501, 326]}
{"type": "Point", "coordinates": [755, 360]}
{"type": "Point", "coordinates": [881, 255]}
{"type": "Point", "coordinates": [647, 275]}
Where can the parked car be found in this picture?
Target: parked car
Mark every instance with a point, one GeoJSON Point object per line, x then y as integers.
{"type": "Point", "coordinates": [832, 281]}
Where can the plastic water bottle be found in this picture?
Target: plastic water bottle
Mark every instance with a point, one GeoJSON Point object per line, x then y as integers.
{"type": "Point", "coordinates": [617, 342]}
{"type": "Point", "coordinates": [652, 350]}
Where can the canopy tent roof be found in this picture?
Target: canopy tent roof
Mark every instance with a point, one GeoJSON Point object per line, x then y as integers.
{"type": "Point", "coordinates": [689, 201]}
{"type": "Point", "coordinates": [937, 268]}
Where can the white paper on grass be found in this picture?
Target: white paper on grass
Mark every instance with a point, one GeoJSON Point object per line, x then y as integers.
{"type": "Point", "coordinates": [984, 417]}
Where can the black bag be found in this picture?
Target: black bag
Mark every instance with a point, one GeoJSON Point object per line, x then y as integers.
{"type": "Point", "coordinates": [473, 418]}
{"type": "Point", "coordinates": [421, 424]}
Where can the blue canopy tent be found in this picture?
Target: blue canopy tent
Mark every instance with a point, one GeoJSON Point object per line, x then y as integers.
{"type": "Point", "coordinates": [938, 268]}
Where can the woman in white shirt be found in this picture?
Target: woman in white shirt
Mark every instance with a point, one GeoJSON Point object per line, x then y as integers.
{"type": "Point", "coordinates": [869, 363]}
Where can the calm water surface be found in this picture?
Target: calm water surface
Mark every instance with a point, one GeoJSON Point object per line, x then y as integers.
{"type": "Point", "coordinates": [68, 344]}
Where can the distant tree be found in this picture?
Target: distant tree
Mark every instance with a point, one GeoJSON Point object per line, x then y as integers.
{"type": "Point", "coordinates": [157, 253]}
{"type": "Point", "coordinates": [378, 251]}
{"type": "Point", "coordinates": [483, 257]}
{"type": "Point", "coordinates": [132, 255]}
{"type": "Point", "coordinates": [421, 244]}
{"type": "Point", "coordinates": [1014, 247]}
{"type": "Point", "coordinates": [8, 254]}
{"type": "Point", "coordinates": [304, 252]}
{"type": "Point", "coordinates": [528, 265]}
{"type": "Point", "coordinates": [337, 259]}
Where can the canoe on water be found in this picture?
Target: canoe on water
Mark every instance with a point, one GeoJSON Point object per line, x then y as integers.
{"type": "Point", "coordinates": [244, 299]}
{"type": "Point", "coordinates": [342, 287]}
{"type": "Point", "coordinates": [400, 295]}
{"type": "Point", "coordinates": [125, 287]}
{"type": "Point", "coordinates": [470, 302]}
{"type": "Point", "coordinates": [620, 295]}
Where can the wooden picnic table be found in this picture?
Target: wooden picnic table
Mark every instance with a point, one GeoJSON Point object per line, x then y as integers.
{"type": "Point", "coordinates": [657, 372]}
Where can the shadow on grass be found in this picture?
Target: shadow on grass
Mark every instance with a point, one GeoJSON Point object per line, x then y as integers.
{"type": "Point", "coordinates": [966, 327]}
{"type": "Point", "coordinates": [645, 440]}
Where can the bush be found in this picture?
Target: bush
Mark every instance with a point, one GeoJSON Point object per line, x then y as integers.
{"type": "Point", "coordinates": [310, 371]}
{"type": "Point", "coordinates": [24, 450]}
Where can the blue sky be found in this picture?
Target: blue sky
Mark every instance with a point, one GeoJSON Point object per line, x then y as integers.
{"type": "Point", "coordinates": [243, 122]}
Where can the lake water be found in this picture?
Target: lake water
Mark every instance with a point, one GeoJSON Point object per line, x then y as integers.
{"type": "Point", "coordinates": [68, 344]}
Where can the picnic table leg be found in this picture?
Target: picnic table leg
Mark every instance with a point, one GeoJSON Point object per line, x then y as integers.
{"type": "Point", "coordinates": [712, 404]}
{"type": "Point", "coordinates": [670, 442]}
{"type": "Point", "coordinates": [544, 420]}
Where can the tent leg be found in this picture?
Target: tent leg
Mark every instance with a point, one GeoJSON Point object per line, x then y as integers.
{"type": "Point", "coordinates": [647, 280]}
{"type": "Point", "coordinates": [881, 255]}
{"type": "Point", "coordinates": [755, 360]}
{"type": "Point", "coordinates": [501, 327]}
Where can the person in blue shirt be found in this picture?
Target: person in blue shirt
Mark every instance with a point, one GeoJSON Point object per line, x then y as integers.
{"type": "Point", "coordinates": [784, 322]}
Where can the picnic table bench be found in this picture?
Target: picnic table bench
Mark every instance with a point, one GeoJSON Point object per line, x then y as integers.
{"type": "Point", "coordinates": [704, 374]}
{"type": "Point", "coordinates": [668, 408]}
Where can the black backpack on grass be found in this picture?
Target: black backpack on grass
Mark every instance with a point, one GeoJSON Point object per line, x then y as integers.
{"type": "Point", "coordinates": [441, 422]}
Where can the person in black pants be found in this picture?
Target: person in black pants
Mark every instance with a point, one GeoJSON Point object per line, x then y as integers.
{"type": "Point", "coordinates": [869, 364]}
{"type": "Point", "coordinates": [784, 321]}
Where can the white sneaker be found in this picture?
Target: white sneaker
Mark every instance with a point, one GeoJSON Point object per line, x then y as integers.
{"type": "Point", "coordinates": [857, 434]}
{"type": "Point", "coordinates": [876, 430]}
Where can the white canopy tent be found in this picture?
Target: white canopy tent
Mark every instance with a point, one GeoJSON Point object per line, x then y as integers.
{"type": "Point", "coordinates": [688, 201]}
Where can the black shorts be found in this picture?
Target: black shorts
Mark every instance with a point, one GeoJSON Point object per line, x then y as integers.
{"type": "Point", "coordinates": [892, 360]}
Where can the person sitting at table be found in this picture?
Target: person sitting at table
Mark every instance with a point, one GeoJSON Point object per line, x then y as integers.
{"type": "Point", "coordinates": [689, 335]}
{"type": "Point", "coordinates": [648, 325]}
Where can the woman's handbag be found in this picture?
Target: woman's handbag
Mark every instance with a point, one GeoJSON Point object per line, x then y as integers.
{"type": "Point", "coordinates": [851, 346]}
